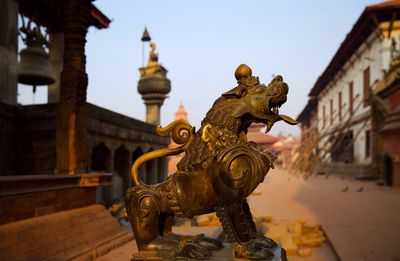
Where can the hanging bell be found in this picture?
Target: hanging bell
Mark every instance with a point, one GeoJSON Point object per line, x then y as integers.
{"type": "Point", "coordinates": [34, 67]}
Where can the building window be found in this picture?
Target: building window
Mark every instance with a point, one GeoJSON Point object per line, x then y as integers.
{"type": "Point", "coordinates": [367, 144]}
{"type": "Point", "coordinates": [323, 117]}
{"type": "Point", "coordinates": [351, 99]}
{"type": "Point", "coordinates": [340, 106]}
{"type": "Point", "coordinates": [366, 86]}
{"type": "Point", "coordinates": [331, 111]}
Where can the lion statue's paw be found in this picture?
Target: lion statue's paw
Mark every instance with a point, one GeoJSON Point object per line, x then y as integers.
{"type": "Point", "coordinates": [196, 247]}
{"type": "Point", "coordinates": [263, 241]}
{"type": "Point", "coordinates": [258, 249]}
{"type": "Point", "coordinates": [191, 250]}
{"type": "Point", "coordinates": [208, 242]}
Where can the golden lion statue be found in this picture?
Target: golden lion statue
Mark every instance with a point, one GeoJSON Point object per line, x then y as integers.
{"type": "Point", "coordinates": [219, 170]}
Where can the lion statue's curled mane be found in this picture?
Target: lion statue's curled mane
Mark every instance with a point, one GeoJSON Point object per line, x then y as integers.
{"type": "Point", "coordinates": [219, 170]}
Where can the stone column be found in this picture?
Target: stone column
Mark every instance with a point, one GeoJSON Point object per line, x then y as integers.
{"type": "Point", "coordinates": [89, 151]}
{"type": "Point", "coordinates": [153, 111]}
{"type": "Point", "coordinates": [71, 115]}
{"type": "Point", "coordinates": [143, 173]}
{"type": "Point", "coordinates": [162, 169]}
{"type": "Point", "coordinates": [8, 51]}
{"type": "Point", "coordinates": [56, 52]}
{"type": "Point", "coordinates": [154, 88]}
{"type": "Point", "coordinates": [110, 164]}
{"type": "Point", "coordinates": [142, 168]}
{"type": "Point", "coordinates": [152, 173]}
{"type": "Point", "coordinates": [156, 172]}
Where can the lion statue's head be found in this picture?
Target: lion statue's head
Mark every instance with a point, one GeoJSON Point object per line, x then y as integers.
{"type": "Point", "coordinates": [227, 121]}
{"type": "Point", "coordinates": [249, 102]}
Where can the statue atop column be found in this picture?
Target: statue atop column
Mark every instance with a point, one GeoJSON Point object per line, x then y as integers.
{"type": "Point", "coordinates": [153, 66]}
{"type": "Point", "coordinates": [153, 84]}
{"type": "Point", "coordinates": [153, 56]}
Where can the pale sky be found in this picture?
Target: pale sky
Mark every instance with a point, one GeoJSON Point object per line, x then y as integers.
{"type": "Point", "coordinates": [202, 42]}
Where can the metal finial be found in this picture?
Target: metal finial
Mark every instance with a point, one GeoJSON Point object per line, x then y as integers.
{"type": "Point", "coordinates": [146, 36]}
{"type": "Point", "coordinates": [242, 71]}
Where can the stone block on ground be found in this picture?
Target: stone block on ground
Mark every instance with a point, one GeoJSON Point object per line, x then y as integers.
{"type": "Point", "coordinates": [210, 220]}
{"type": "Point", "coordinates": [295, 236]}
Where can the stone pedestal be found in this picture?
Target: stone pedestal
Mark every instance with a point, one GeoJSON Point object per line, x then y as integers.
{"type": "Point", "coordinates": [225, 254]}
{"type": "Point", "coordinates": [213, 232]}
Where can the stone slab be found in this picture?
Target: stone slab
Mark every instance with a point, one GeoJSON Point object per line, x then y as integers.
{"type": "Point", "coordinates": [124, 253]}
{"type": "Point", "coordinates": [214, 232]}
{"type": "Point", "coordinates": [225, 254]}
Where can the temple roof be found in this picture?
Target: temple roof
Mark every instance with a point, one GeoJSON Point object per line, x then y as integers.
{"type": "Point", "coordinates": [181, 113]}
{"type": "Point", "coordinates": [285, 143]}
{"type": "Point", "coordinates": [307, 110]}
{"type": "Point", "coordinates": [365, 25]}
{"type": "Point", "coordinates": [98, 19]}
{"type": "Point", "coordinates": [255, 134]}
{"type": "Point", "coordinates": [49, 13]}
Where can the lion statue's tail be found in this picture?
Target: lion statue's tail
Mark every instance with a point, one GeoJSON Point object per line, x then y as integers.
{"type": "Point", "coordinates": [181, 133]}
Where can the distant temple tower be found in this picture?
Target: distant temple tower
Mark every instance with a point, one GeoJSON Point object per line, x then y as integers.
{"type": "Point", "coordinates": [173, 160]}
{"type": "Point", "coordinates": [181, 113]}
{"type": "Point", "coordinates": [153, 84]}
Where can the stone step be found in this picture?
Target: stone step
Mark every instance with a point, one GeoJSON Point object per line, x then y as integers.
{"type": "Point", "coordinates": [353, 170]}
{"type": "Point", "coordinates": [78, 234]}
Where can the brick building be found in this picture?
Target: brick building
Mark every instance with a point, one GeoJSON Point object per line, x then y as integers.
{"type": "Point", "coordinates": [59, 160]}
{"type": "Point", "coordinates": [343, 93]}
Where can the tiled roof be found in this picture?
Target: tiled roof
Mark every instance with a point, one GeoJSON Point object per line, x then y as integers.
{"type": "Point", "coordinates": [365, 25]}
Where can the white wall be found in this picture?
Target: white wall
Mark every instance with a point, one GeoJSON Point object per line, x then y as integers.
{"type": "Point", "coordinates": [375, 54]}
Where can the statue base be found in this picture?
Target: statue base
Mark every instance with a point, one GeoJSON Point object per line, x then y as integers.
{"type": "Point", "coordinates": [224, 254]}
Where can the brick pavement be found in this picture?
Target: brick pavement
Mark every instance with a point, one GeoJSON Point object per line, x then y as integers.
{"type": "Point", "coordinates": [361, 226]}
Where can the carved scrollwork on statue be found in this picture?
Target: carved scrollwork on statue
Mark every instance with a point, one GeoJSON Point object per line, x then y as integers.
{"type": "Point", "coordinates": [219, 170]}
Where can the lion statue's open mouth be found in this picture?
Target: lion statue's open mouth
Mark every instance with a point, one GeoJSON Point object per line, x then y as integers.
{"type": "Point", "coordinates": [219, 170]}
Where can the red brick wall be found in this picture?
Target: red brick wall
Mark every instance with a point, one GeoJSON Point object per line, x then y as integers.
{"type": "Point", "coordinates": [34, 204]}
{"type": "Point", "coordinates": [391, 147]}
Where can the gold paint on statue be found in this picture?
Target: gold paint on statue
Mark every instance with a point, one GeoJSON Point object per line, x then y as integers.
{"type": "Point", "coordinates": [152, 65]}
{"type": "Point", "coordinates": [153, 56]}
{"type": "Point", "coordinates": [219, 170]}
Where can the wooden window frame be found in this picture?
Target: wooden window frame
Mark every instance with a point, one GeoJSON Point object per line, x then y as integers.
{"type": "Point", "coordinates": [366, 85]}
{"type": "Point", "coordinates": [340, 106]}
{"type": "Point", "coordinates": [331, 111]}
{"type": "Point", "coordinates": [351, 98]}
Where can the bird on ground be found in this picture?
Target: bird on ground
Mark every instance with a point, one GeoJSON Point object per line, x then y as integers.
{"type": "Point", "coordinates": [345, 189]}
{"type": "Point", "coordinates": [360, 189]}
